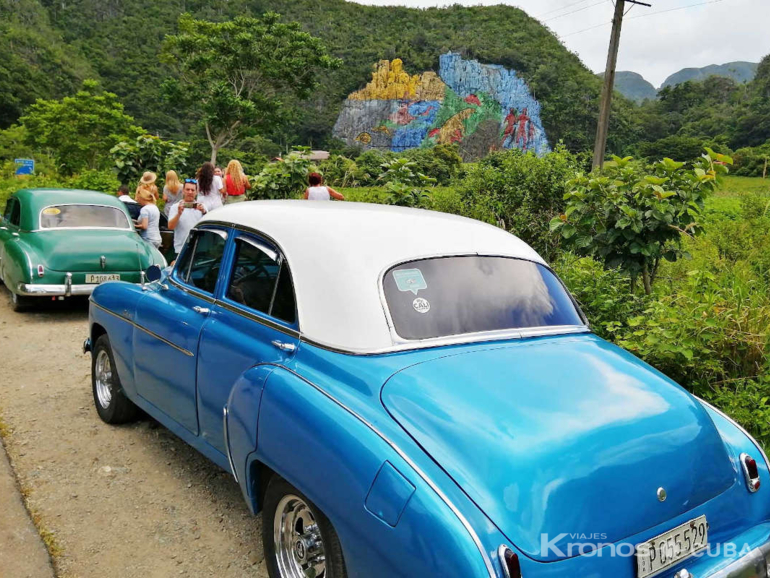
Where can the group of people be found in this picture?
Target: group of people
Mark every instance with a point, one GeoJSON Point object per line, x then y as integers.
{"type": "Point", "coordinates": [185, 202]}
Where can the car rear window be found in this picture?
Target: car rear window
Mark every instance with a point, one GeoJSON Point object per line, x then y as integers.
{"type": "Point", "coordinates": [83, 216]}
{"type": "Point", "coordinates": [447, 296]}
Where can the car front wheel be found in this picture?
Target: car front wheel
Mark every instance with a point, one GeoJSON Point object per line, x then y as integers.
{"type": "Point", "coordinates": [112, 405]}
{"type": "Point", "coordinates": [298, 540]}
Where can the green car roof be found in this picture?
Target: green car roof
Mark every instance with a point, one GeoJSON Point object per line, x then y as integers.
{"type": "Point", "coordinates": [35, 200]}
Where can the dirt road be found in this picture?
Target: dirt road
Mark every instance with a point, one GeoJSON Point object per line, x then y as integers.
{"type": "Point", "coordinates": [129, 501]}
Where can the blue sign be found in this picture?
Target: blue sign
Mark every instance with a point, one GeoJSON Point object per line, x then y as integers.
{"type": "Point", "coordinates": [24, 166]}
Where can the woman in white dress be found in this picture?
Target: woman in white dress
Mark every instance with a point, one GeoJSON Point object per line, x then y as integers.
{"type": "Point", "coordinates": [318, 192]}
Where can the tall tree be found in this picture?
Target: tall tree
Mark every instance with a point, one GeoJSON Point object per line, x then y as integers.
{"type": "Point", "coordinates": [233, 74]}
{"type": "Point", "coordinates": [79, 130]}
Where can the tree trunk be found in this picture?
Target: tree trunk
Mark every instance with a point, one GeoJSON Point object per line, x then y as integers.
{"type": "Point", "coordinates": [214, 152]}
{"type": "Point", "coordinates": [646, 279]}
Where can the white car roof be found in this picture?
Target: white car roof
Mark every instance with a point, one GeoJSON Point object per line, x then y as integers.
{"type": "Point", "coordinates": [338, 251]}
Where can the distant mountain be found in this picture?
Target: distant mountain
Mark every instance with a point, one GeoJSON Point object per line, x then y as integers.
{"type": "Point", "coordinates": [738, 71]}
{"type": "Point", "coordinates": [633, 86]}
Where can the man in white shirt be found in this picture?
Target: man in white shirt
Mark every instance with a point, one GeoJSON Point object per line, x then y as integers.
{"type": "Point", "coordinates": [123, 194]}
{"type": "Point", "coordinates": [185, 214]}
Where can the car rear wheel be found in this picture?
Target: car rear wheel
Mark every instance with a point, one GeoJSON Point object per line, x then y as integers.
{"type": "Point", "coordinates": [112, 405]}
{"type": "Point", "coordinates": [20, 302]}
{"type": "Point", "coordinates": [298, 540]}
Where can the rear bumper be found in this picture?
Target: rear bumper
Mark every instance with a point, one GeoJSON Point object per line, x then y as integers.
{"type": "Point", "coordinates": [65, 290]}
{"type": "Point", "coordinates": [755, 564]}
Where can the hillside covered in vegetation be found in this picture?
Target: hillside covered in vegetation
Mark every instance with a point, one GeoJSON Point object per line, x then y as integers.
{"type": "Point", "coordinates": [118, 42]}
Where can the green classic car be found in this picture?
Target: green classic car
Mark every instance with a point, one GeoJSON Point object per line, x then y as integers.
{"type": "Point", "coordinates": [57, 243]}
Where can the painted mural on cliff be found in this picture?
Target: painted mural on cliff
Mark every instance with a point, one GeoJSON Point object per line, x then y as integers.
{"type": "Point", "coordinates": [482, 107]}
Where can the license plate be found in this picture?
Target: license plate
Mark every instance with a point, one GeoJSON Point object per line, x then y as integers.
{"type": "Point", "coordinates": [667, 550]}
{"type": "Point", "coordinates": [101, 278]}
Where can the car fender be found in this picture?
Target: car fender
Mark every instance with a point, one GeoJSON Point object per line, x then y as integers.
{"type": "Point", "coordinates": [17, 262]}
{"type": "Point", "coordinates": [241, 416]}
{"type": "Point", "coordinates": [378, 503]}
{"type": "Point", "coordinates": [112, 311]}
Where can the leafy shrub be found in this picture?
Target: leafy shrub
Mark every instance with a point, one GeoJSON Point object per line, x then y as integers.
{"type": "Point", "coordinates": [404, 186]}
{"type": "Point", "coordinates": [149, 153]}
{"type": "Point", "coordinates": [338, 171]}
{"type": "Point", "coordinates": [369, 167]}
{"type": "Point", "coordinates": [441, 162]}
{"type": "Point", "coordinates": [633, 217]}
{"type": "Point", "coordinates": [746, 401]}
{"type": "Point", "coordinates": [521, 192]}
{"type": "Point", "coordinates": [93, 180]}
{"type": "Point", "coordinates": [284, 179]}
{"type": "Point", "coordinates": [752, 161]}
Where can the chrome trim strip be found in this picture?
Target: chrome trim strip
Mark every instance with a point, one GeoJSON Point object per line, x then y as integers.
{"type": "Point", "coordinates": [207, 298]}
{"type": "Point", "coordinates": [464, 339]}
{"type": "Point", "coordinates": [261, 320]}
{"type": "Point", "coordinates": [501, 555]}
{"type": "Point", "coordinates": [746, 475]}
{"type": "Point", "coordinates": [754, 564]}
{"type": "Point", "coordinates": [38, 289]}
{"type": "Point", "coordinates": [444, 498]}
{"type": "Point", "coordinates": [147, 331]}
{"type": "Point", "coordinates": [226, 431]}
{"type": "Point", "coordinates": [68, 284]}
{"type": "Point", "coordinates": [739, 426]}
{"type": "Point", "coordinates": [40, 216]}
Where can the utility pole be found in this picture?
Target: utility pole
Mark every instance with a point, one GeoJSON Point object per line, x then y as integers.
{"type": "Point", "coordinates": [609, 82]}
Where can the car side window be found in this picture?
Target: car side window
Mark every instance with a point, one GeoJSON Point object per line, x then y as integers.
{"type": "Point", "coordinates": [261, 280]}
{"type": "Point", "coordinates": [202, 260]}
{"type": "Point", "coordinates": [13, 212]}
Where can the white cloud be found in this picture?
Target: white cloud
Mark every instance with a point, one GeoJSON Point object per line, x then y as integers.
{"type": "Point", "coordinates": [655, 46]}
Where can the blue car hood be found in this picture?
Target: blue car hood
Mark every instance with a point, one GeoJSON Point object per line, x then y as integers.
{"type": "Point", "coordinates": [563, 435]}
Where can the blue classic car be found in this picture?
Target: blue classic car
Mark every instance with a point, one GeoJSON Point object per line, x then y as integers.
{"type": "Point", "coordinates": [408, 393]}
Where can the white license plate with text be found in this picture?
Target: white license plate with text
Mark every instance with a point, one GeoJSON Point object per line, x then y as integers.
{"type": "Point", "coordinates": [670, 548]}
{"type": "Point", "coordinates": [101, 277]}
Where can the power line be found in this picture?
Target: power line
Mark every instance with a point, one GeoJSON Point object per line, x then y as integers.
{"type": "Point", "coordinates": [675, 9]}
{"type": "Point", "coordinates": [575, 11]}
{"type": "Point", "coordinates": [570, 5]}
{"type": "Point", "coordinates": [640, 16]}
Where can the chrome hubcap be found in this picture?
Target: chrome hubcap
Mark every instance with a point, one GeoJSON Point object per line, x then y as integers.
{"type": "Point", "coordinates": [103, 378]}
{"type": "Point", "coordinates": [299, 548]}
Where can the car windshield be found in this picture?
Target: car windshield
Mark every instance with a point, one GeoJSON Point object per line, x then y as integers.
{"type": "Point", "coordinates": [447, 296]}
{"type": "Point", "coordinates": [83, 216]}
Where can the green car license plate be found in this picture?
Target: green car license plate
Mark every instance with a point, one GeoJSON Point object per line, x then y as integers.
{"type": "Point", "coordinates": [101, 278]}
{"type": "Point", "coordinates": [670, 548]}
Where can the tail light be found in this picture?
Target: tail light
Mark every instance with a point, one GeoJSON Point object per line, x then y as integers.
{"type": "Point", "coordinates": [751, 472]}
{"type": "Point", "coordinates": [510, 561]}
{"type": "Point", "coordinates": [40, 271]}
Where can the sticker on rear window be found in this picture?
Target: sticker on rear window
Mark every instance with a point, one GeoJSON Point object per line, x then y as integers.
{"type": "Point", "coordinates": [409, 280]}
{"type": "Point", "coordinates": [421, 305]}
{"type": "Point", "coordinates": [51, 211]}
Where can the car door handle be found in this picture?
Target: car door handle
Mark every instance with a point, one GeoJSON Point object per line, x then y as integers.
{"type": "Point", "coordinates": [201, 310]}
{"type": "Point", "coordinates": [288, 347]}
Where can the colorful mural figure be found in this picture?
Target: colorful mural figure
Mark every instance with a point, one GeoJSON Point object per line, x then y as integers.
{"type": "Point", "coordinates": [482, 107]}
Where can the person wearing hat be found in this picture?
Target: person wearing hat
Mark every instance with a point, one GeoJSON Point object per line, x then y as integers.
{"type": "Point", "coordinates": [149, 217]}
{"type": "Point", "coordinates": [147, 183]}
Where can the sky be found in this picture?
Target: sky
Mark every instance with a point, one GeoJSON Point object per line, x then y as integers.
{"type": "Point", "coordinates": [685, 35]}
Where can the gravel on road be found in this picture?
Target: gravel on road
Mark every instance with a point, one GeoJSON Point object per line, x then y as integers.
{"type": "Point", "coordinates": [128, 501]}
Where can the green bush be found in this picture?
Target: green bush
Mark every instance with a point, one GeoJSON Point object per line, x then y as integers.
{"type": "Point", "coordinates": [93, 180]}
{"type": "Point", "coordinates": [633, 217]}
{"type": "Point", "coordinates": [284, 179]}
{"type": "Point", "coordinates": [521, 193]}
{"type": "Point", "coordinates": [752, 161]}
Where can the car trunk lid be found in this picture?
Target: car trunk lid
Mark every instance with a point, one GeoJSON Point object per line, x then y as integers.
{"type": "Point", "coordinates": [562, 438]}
{"type": "Point", "coordinates": [90, 251]}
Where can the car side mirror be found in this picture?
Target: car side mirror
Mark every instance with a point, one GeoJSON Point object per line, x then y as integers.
{"type": "Point", "coordinates": [153, 273]}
